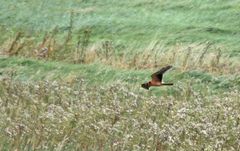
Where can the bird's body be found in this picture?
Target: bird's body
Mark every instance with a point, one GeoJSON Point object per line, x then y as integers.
{"type": "Point", "coordinates": [157, 78]}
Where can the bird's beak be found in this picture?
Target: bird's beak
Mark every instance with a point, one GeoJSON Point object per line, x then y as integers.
{"type": "Point", "coordinates": [145, 86]}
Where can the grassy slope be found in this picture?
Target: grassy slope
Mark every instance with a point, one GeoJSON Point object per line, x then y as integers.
{"type": "Point", "coordinates": [98, 74]}
{"type": "Point", "coordinates": [133, 23]}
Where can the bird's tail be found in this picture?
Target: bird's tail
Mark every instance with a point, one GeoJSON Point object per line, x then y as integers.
{"type": "Point", "coordinates": [167, 83]}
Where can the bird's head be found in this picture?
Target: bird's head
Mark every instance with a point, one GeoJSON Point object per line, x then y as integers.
{"type": "Point", "coordinates": [145, 86]}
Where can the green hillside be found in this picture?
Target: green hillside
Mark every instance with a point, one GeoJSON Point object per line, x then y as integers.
{"type": "Point", "coordinates": [133, 23]}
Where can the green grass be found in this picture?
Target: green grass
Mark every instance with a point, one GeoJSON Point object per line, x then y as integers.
{"type": "Point", "coordinates": [29, 69]}
{"type": "Point", "coordinates": [132, 23]}
{"type": "Point", "coordinates": [100, 74]}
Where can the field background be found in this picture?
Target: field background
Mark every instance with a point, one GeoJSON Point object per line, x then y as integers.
{"type": "Point", "coordinates": [70, 75]}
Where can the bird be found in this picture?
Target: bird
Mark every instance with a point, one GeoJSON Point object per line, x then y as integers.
{"type": "Point", "coordinates": [157, 78]}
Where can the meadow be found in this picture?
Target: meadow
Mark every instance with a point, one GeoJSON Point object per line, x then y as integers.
{"type": "Point", "coordinates": [70, 75]}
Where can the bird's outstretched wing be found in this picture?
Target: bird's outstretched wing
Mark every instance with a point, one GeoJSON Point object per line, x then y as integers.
{"type": "Point", "coordinates": [157, 76]}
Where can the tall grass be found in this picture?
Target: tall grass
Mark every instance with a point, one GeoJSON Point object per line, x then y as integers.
{"type": "Point", "coordinates": [78, 49]}
{"type": "Point", "coordinates": [55, 115]}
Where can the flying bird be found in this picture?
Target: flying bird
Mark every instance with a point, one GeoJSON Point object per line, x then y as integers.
{"type": "Point", "coordinates": [157, 78]}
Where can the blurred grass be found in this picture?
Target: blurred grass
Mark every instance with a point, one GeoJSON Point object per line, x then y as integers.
{"type": "Point", "coordinates": [132, 26]}
{"type": "Point", "coordinates": [131, 23]}
{"type": "Point", "coordinates": [98, 74]}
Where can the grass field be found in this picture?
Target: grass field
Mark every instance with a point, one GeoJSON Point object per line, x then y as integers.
{"type": "Point", "coordinates": [70, 75]}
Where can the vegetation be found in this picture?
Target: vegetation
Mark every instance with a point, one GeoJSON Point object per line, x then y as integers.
{"type": "Point", "coordinates": [70, 75]}
{"type": "Point", "coordinates": [56, 116]}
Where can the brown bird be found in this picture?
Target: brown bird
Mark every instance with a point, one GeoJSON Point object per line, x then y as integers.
{"type": "Point", "coordinates": [157, 78]}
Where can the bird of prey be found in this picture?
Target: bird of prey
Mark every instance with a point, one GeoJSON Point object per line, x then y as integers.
{"type": "Point", "coordinates": [157, 78]}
